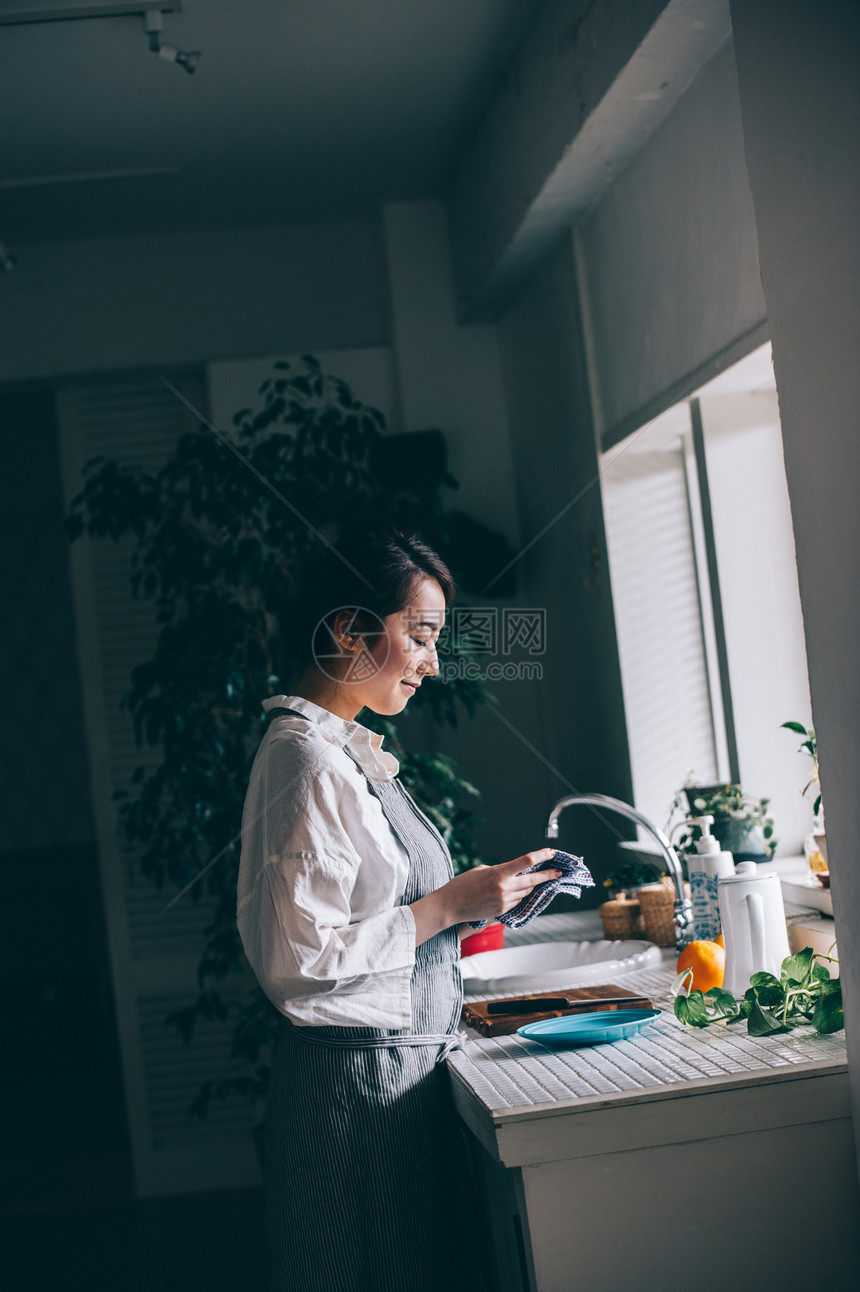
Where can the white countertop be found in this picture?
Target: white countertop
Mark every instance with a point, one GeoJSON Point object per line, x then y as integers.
{"type": "Point", "coordinates": [507, 1078]}
{"type": "Point", "coordinates": [602, 1166]}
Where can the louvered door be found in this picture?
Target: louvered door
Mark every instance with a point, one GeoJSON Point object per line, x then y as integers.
{"type": "Point", "coordinates": [154, 955]}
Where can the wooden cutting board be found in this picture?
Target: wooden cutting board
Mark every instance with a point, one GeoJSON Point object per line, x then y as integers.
{"type": "Point", "coordinates": [584, 998]}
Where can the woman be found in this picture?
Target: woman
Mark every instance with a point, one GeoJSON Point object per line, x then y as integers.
{"type": "Point", "coordinates": [349, 911]}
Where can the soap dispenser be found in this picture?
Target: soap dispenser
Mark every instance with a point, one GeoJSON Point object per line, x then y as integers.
{"type": "Point", "coordinates": [706, 867]}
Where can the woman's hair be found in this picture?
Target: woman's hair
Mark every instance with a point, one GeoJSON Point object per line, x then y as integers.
{"type": "Point", "coordinates": [370, 572]}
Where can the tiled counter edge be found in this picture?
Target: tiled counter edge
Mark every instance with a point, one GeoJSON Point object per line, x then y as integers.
{"type": "Point", "coordinates": [668, 1084]}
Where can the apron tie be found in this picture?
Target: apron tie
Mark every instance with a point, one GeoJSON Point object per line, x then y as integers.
{"type": "Point", "coordinates": [448, 1040]}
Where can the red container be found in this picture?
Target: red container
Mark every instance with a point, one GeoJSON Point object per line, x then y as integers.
{"type": "Point", "coordinates": [492, 938]}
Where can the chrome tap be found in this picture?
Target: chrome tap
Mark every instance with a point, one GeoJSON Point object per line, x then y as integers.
{"type": "Point", "coordinates": [683, 917]}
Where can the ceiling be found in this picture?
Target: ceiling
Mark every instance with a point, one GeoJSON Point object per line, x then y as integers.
{"type": "Point", "coordinates": [300, 110]}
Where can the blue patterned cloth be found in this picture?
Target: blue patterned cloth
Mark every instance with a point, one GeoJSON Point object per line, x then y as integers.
{"type": "Point", "coordinates": [574, 877]}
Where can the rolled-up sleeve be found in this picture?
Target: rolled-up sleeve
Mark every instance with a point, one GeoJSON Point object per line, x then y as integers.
{"type": "Point", "coordinates": [310, 949]}
{"type": "Point", "coordinates": [326, 946]}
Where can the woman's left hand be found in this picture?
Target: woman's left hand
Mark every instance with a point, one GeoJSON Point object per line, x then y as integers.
{"type": "Point", "coordinates": [482, 893]}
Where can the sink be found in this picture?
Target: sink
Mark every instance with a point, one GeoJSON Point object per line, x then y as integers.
{"type": "Point", "coordinates": [555, 964]}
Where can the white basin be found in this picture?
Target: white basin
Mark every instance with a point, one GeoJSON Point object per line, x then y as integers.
{"type": "Point", "coordinates": [554, 964]}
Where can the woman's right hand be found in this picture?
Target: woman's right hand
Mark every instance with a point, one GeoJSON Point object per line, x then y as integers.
{"type": "Point", "coordinates": [483, 893]}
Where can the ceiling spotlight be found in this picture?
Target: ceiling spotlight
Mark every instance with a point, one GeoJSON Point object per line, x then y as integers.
{"type": "Point", "coordinates": [8, 261]}
{"type": "Point", "coordinates": [186, 58]}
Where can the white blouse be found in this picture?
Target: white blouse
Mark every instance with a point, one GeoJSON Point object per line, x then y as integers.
{"type": "Point", "coordinates": [322, 875]}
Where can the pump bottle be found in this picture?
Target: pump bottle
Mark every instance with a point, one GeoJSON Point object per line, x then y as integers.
{"type": "Point", "coordinates": [706, 867]}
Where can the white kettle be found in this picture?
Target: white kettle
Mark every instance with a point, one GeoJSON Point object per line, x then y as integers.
{"type": "Point", "coordinates": [754, 931]}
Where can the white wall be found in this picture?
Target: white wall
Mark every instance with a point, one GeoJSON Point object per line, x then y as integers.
{"type": "Point", "coordinates": [121, 303]}
{"type": "Point", "coordinates": [574, 718]}
{"type": "Point", "coordinates": [670, 259]}
{"type": "Point", "coordinates": [800, 98]}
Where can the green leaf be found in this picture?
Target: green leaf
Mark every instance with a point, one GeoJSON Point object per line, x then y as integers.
{"type": "Point", "coordinates": [682, 1009]}
{"type": "Point", "coordinates": [768, 990]}
{"type": "Point", "coordinates": [764, 1024]}
{"type": "Point", "coordinates": [698, 1009]}
{"type": "Point", "coordinates": [795, 726]}
{"type": "Point", "coordinates": [746, 1006]}
{"type": "Point", "coordinates": [798, 968]}
{"type": "Point", "coordinates": [722, 998]}
{"type": "Point", "coordinates": [829, 1015]}
{"type": "Point", "coordinates": [697, 1013]}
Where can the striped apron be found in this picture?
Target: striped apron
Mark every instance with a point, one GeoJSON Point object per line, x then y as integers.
{"type": "Point", "coordinates": [365, 1164]}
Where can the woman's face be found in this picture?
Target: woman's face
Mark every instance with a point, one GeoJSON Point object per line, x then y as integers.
{"type": "Point", "coordinates": [406, 655]}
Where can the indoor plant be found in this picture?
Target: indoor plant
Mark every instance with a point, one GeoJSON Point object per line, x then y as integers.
{"type": "Point", "coordinates": [628, 876]}
{"type": "Point", "coordinates": [621, 916]}
{"type": "Point", "coordinates": [223, 533]}
{"type": "Point", "coordinates": [741, 822]}
{"type": "Point", "coordinates": [812, 789]}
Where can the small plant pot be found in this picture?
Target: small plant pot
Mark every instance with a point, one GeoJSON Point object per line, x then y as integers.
{"type": "Point", "coordinates": [743, 838]}
{"type": "Point", "coordinates": [621, 919]}
{"type": "Point", "coordinates": [492, 938]}
{"type": "Point", "coordinates": [693, 792]}
{"type": "Point", "coordinates": [741, 835]}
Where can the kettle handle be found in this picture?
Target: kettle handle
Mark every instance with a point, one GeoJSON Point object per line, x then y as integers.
{"type": "Point", "coordinates": [758, 938]}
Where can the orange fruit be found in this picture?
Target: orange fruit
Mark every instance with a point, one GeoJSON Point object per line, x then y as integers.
{"type": "Point", "coordinates": [720, 941]}
{"type": "Point", "coordinates": [707, 961]}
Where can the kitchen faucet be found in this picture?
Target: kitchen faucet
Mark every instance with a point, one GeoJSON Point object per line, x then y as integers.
{"type": "Point", "coordinates": [683, 916]}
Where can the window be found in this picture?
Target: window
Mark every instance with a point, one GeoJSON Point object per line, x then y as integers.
{"type": "Point", "coordinates": [704, 581]}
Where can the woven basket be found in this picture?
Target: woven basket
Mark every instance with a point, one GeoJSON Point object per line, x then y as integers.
{"type": "Point", "coordinates": [621, 919]}
{"type": "Point", "coordinates": [657, 903]}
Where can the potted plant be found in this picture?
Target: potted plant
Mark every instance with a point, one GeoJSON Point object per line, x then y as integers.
{"type": "Point", "coordinates": [812, 790]}
{"type": "Point", "coordinates": [741, 821]}
{"type": "Point", "coordinates": [621, 916]}
{"type": "Point", "coordinates": [629, 876]}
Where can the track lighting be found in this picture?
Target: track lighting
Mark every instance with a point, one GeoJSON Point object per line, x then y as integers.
{"type": "Point", "coordinates": [184, 57]}
{"type": "Point", "coordinates": [152, 24]}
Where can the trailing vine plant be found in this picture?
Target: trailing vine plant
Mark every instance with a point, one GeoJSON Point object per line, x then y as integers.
{"type": "Point", "coordinates": [221, 547]}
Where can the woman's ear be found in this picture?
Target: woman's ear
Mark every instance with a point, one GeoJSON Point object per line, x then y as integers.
{"type": "Point", "coordinates": [344, 630]}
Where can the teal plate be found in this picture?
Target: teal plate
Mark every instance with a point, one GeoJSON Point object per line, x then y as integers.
{"type": "Point", "coordinates": [601, 1027]}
